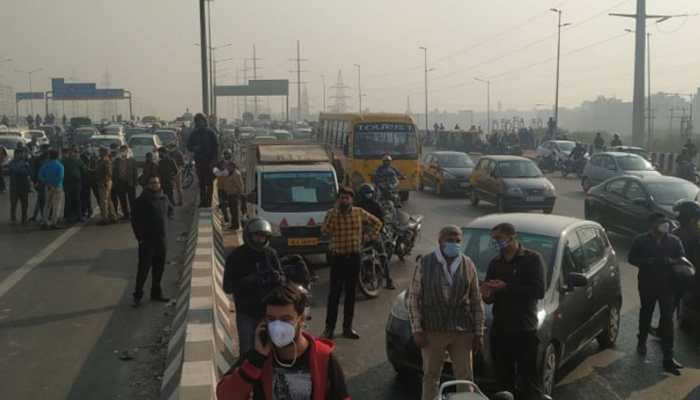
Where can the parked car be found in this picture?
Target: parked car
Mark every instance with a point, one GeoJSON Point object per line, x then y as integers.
{"type": "Point", "coordinates": [81, 136]}
{"type": "Point", "coordinates": [512, 183]}
{"type": "Point", "coordinates": [167, 136]}
{"type": "Point", "coordinates": [582, 299]}
{"type": "Point", "coordinates": [10, 143]}
{"type": "Point", "coordinates": [282, 134]}
{"type": "Point", "coordinates": [624, 204]}
{"type": "Point", "coordinates": [446, 172]}
{"type": "Point", "coordinates": [134, 131]}
{"type": "Point", "coordinates": [39, 138]}
{"type": "Point", "coordinates": [108, 141]}
{"type": "Point", "coordinates": [117, 130]}
{"type": "Point", "coordinates": [18, 133]}
{"type": "Point", "coordinates": [640, 151]}
{"type": "Point", "coordinates": [558, 149]}
{"type": "Point", "coordinates": [142, 144]}
{"type": "Point", "coordinates": [606, 165]}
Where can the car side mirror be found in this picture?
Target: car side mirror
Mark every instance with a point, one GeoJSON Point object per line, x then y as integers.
{"type": "Point", "coordinates": [574, 280]}
{"type": "Point", "coordinates": [252, 197]}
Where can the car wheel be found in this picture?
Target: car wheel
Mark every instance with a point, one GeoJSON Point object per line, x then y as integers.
{"type": "Point", "coordinates": [549, 368]}
{"type": "Point", "coordinates": [608, 337]}
{"type": "Point", "coordinates": [500, 205]}
{"type": "Point", "coordinates": [474, 198]}
{"type": "Point", "coordinates": [586, 184]}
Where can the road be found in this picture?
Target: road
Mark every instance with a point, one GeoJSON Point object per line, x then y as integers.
{"type": "Point", "coordinates": [65, 309]}
{"type": "Point", "coordinates": [612, 374]}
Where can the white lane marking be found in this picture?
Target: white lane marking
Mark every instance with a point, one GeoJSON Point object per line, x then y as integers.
{"type": "Point", "coordinates": [33, 262]}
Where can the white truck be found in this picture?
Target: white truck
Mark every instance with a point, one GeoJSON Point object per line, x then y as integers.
{"type": "Point", "coordinates": [291, 185]}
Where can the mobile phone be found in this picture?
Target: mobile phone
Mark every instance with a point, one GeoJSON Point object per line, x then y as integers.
{"type": "Point", "coordinates": [263, 336]}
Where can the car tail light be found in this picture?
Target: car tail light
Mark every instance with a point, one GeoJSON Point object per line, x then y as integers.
{"type": "Point", "coordinates": [312, 222]}
{"type": "Point", "coordinates": [284, 223]}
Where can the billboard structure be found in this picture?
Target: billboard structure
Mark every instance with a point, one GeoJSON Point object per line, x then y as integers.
{"type": "Point", "coordinates": [260, 87]}
{"type": "Point", "coordinates": [60, 90]}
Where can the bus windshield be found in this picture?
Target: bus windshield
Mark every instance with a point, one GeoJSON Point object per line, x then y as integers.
{"type": "Point", "coordinates": [373, 140]}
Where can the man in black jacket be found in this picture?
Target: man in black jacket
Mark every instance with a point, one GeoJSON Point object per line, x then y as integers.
{"type": "Point", "coordinates": [654, 253]}
{"type": "Point", "coordinates": [514, 282]}
{"type": "Point", "coordinates": [149, 219]}
{"type": "Point", "coordinates": [205, 147]}
{"type": "Point", "coordinates": [251, 271]}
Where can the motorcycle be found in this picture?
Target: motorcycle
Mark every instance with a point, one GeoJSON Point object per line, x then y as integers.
{"type": "Point", "coordinates": [388, 189]}
{"type": "Point", "coordinates": [371, 279]}
{"type": "Point", "coordinates": [688, 170]}
{"type": "Point", "coordinates": [571, 166]}
{"type": "Point", "coordinates": [408, 228]}
{"type": "Point", "coordinates": [547, 163]}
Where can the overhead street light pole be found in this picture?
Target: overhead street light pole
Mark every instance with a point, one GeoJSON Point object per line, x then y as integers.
{"type": "Point", "coordinates": [31, 91]}
{"type": "Point", "coordinates": [323, 80]}
{"type": "Point", "coordinates": [425, 53]}
{"type": "Point", "coordinates": [556, 90]}
{"type": "Point", "coordinates": [203, 48]}
{"type": "Point", "coordinates": [488, 103]}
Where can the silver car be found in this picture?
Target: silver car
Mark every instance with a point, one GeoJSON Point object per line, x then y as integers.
{"type": "Point", "coordinates": [606, 165]}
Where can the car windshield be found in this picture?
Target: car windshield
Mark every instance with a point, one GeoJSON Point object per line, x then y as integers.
{"type": "Point", "coordinates": [141, 141]}
{"type": "Point", "coordinates": [458, 160]}
{"type": "Point", "coordinates": [669, 193]}
{"type": "Point", "coordinates": [112, 130]}
{"type": "Point", "coordinates": [106, 142]}
{"type": "Point", "coordinates": [298, 191]}
{"type": "Point", "coordinates": [566, 146]}
{"type": "Point", "coordinates": [518, 169]}
{"type": "Point", "coordinates": [479, 246]}
{"type": "Point", "coordinates": [37, 135]}
{"type": "Point", "coordinates": [634, 163]}
{"type": "Point", "coordinates": [167, 136]}
{"type": "Point", "coordinates": [373, 140]}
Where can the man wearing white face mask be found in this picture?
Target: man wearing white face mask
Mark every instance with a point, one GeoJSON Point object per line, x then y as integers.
{"type": "Point", "coordinates": [654, 253]}
{"type": "Point", "coordinates": [445, 310]}
{"type": "Point", "coordinates": [286, 363]}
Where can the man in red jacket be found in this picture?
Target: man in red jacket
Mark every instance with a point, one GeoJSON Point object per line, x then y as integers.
{"type": "Point", "coordinates": [286, 363]}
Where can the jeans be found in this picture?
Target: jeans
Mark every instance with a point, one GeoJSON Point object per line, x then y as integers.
{"type": "Point", "coordinates": [21, 197]}
{"type": "Point", "coordinates": [72, 208]}
{"type": "Point", "coordinates": [151, 258]}
{"type": "Point", "coordinates": [232, 201]}
{"type": "Point", "coordinates": [515, 360]}
{"type": "Point", "coordinates": [223, 204]}
{"type": "Point", "coordinates": [246, 325]}
{"type": "Point", "coordinates": [40, 202]}
{"type": "Point", "coordinates": [666, 300]}
{"type": "Point", "coordinates": [126, 195]}
{"type": "Point", "coordinates": [206, 180]}
{"type": "Point", "coordinates": [53, 206]}
{"type": "Point", "coordinates": [345, 269]}
{"type": "Point", "coordinates": [459, 347]}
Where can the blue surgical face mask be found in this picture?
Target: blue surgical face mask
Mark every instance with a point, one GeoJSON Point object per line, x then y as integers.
{"type": "Point", "coordinates": [502, 244]}
{"type": "Point", "coordinates": [451, 250]}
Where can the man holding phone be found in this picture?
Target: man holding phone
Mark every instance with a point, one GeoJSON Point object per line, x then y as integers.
{"type": "Point", "coordinates": [286, 362]}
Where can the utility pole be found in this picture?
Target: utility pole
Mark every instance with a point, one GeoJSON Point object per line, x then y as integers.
{"type": "Point", "coordinates": [425, 55]}
{"type": "Point", "coordinates": [203, 49]}
{"type": "Point", "coordinates": [299, 82]}
{"type": "Point", "coordinates": [323, 81]}
{"type": "Point", "coordinates": [359, 86]}
{"type": "Point", "coordinates": [650, 129]}
{"type": "Point", "coordinates": [556, 90]}
{"type": "Point", "coordinates": [488, 103]}
{"type": "Point", "coordinates": [29, 76]}
{"type": "Point", "coordinates": [212, 96]}
{"type": "Point", "coordinates": [640, 31]}
{"type": "Point", "coordinates": [255, 77]}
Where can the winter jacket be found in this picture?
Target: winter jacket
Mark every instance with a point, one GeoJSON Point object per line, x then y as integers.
{"type": "Point", "coordinates": [74, 171]}
{"type": "Point", "coordinates": [204, 144]}
{"type": "Point", "coordinates": [149, 217]}
{"type": "Point", "coordinates": [230, 182]}
{"type": "Point", "coordinates": [51, 174]}
{"type": "Point", "coordinates": [103, 173]}
{"type": "Point", "coordinates": [249, 275]}
{"type": "Point", "coordinates": [20, 172]}
{"type": "Point", "coordinates": [131, 171]}
{"type": "Point", "coordinates": [167, 170]}
{"type": "Point", "coordinates": [254, 374]}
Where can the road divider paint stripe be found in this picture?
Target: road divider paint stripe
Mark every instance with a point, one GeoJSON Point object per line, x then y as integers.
{"type": "Point", "coordinates": [14, 278]}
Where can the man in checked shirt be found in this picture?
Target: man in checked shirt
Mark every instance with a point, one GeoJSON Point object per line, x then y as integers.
{"type": "Point", "coordinates": [344, 227]}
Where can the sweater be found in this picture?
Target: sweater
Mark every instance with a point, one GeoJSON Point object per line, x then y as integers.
{"type": "Point", "coordinates": [51, 174]}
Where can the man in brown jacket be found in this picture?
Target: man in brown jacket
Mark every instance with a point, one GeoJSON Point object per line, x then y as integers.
{"type": "Point", "coordinates": [230, 187]}
{"type": "Point", "coordinates": [445, 310]}
{"type": "Point", "coordinates": [104, 186]}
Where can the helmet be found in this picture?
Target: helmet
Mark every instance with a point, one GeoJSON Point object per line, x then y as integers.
{"type": "Point", "coordinates": [687, 210]}
{"type": "Point", "coordinates": [228, 152]}
{"type": "Point", "coordinates": [366, 191]}
{"type": "Point", "coordinates": [386, 158]}
{"type": "Point", "coordinates": [257, 226]}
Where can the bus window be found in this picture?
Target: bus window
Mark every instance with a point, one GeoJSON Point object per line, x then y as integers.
{"type": "Point", "coordinates": [372, 140]}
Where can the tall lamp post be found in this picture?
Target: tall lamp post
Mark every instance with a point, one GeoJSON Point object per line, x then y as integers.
{"type": "Point", "coordinates": [488, 103]}
{"type": "Point", "coordinates": [212, 74]}
{"type": "Point", "coordinates": [205, 68]}
{"type": "Point", "coordinates": [556, 90]}
{"type": "Point", "coordinates": [323, 80]}
{"type": "Point", "coordinates": [359, 85]}
{"type": "Point", "coordinates": [425, 53]}
{"type": "Point", "coordinates": [29, 76]}
{"type": "Point", "coordinates": [650, 116]}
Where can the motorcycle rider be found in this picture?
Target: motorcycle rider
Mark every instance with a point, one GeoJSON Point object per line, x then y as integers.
{"type": "Point", "coordinates": [598, 142]}
{"type": "Point", "coordinates": [616, 141]}
{"type": "Point", "coordinates": [367, 201]}
{"type": "Point", "coordinates": [691, 149]}
{"type": "Point", "coordinates": [386, 173]}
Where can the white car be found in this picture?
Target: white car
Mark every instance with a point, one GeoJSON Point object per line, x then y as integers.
{"type": "Point", "coordinates": [107, 141]}
{"type": "Point", "coordinates": [114, 130]}
{"type": "Point", "coordinates": [10, 144]}
{"type": "Point", "coordinates": [22, 134]}
{"type": "Point", "coordinates": [142, 144]}
{"type": "Point", "coordinates": [39, 137]}
{"type": "Point", "coordinates": [560, 149]}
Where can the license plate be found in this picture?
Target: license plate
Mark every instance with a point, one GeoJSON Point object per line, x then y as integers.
{"type": "Point", "coordinates": [302, 241]}
{"type": "Point", "coordinates": [534, 199]}
{"type": "Point", "coordinates": [464, 184]}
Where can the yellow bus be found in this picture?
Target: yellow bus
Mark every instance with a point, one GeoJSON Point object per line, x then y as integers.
{"type": "Point", "coordinates": [357, 143]}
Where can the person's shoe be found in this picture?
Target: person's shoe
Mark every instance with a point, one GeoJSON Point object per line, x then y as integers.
{"type": "Point", "coordinates": [350, 333]}
{"type": "Point", "coordinates": [328, 333]}
{"type": "Point", "coordinates": [390, 285]}
{"type": "Point", "coordinates": [674, 363]}
{"type": "Point", "coordinates": [641, 348]}
{"type": "Point", "coordinates": [160, 298]}
{"type": "Point", "coordinates": [136, 303]}
{"type": "Point", "coordinates": [671, 368]}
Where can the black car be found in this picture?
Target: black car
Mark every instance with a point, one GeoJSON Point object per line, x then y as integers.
{"type": "Point", "coordinates": [512, 183]}
{"type": "Point", "coordinates": [446, 172]}
{"type": "Point", "coordinates": [582, 300]}
{"type": "Point", "coordinates": [624, 204]}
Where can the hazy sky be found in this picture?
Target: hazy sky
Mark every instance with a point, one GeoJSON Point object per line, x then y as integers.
{"type": "Point", "coordinates": [148, 47]}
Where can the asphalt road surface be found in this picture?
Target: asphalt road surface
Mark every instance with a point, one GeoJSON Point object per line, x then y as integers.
{"type": "Point", "coordinates": [612, 374]}
{"type": "Point", "coordinates": [65, 310]}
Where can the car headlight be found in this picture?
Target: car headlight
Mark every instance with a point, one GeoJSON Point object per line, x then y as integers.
{"type": "Point", "coordinates": [550, 190]}
{"type": "Point", "coordinates": [399, 309]}
{"type": "Point", "coordinates": [514, 191]}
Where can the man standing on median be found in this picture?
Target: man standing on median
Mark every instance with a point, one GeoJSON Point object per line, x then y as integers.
{"type": "Point", "coordinates": [51, 176]}
{"type": "Point", "coordinates": [286, 362]}
{"type": "Point", "coordinates": [445, 309]}
{"type": "Point", "coordinates": [149, 219]}
{"type": "Point", "coordinates": [205, 147]}
{"type": "Point", "coordinates": [345, 227]}
{"type": "Point", "coordinates": [251, 271]}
